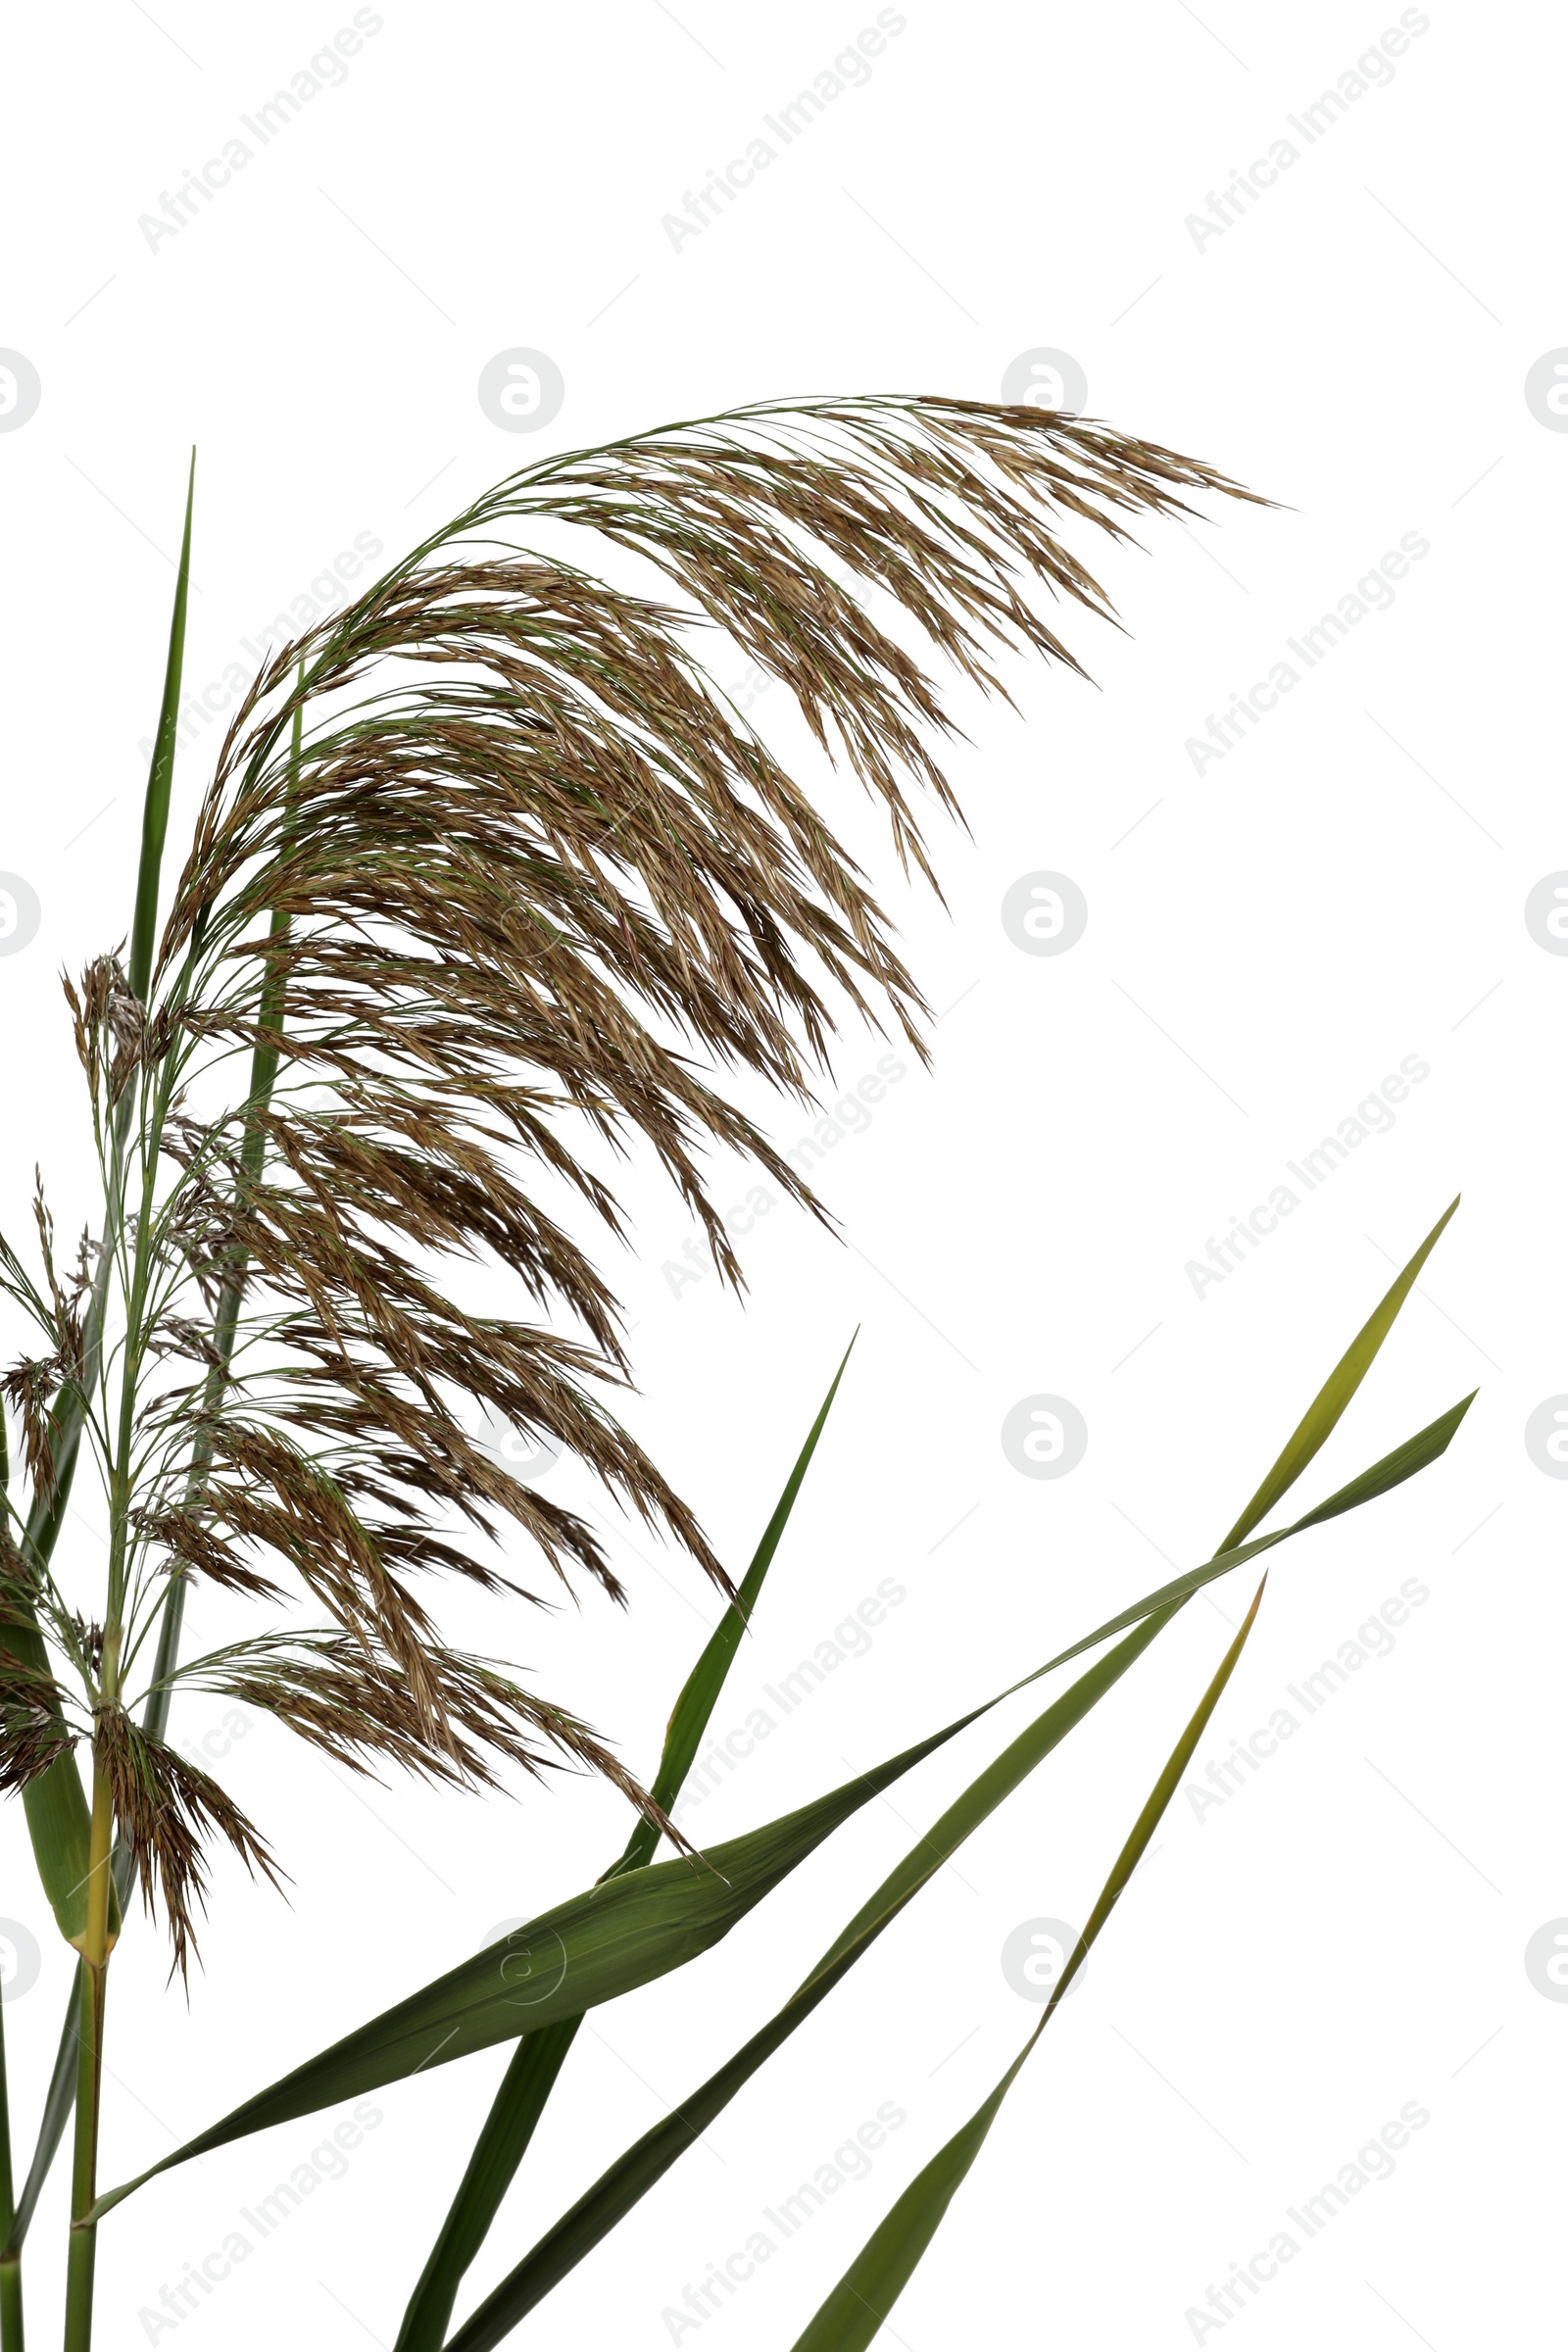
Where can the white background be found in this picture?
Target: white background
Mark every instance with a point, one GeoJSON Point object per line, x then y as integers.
{"type": "Point", "coordinates": [1346, 1932]}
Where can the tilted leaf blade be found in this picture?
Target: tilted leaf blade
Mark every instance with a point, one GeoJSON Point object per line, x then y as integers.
{"type": "Point", "coordinates": [161, 777]}
{"type": "Point", "coordinates": [618, 1935]}
{"type": "Point", "coordinates": [857, 2310]}
{"type": "Point", "coordinates": [1322, 1415]}
{"type": "Point", "coordinates": [693, 1709]}
{"type": "Point", "coordinates": [646, 2162]}
{"type": "Point", "coordinates": [1415, 1453]}
{"type": "Point", "coordinates": [536, 2063]}
{"type": "Point", "coordinates": [628, 1931]}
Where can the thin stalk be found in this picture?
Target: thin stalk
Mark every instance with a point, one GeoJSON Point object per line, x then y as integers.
{"type": "Point", "coordinates": [54, 1810]}
{"type": "Point", "coordinates": [55, 1802]}
{"type": "Point", "coordinates": [84, 2248]}
{"type": "Point", "coordinates": [10, 2264]}
{"type": "Point", "coordinates": [225, 1322]}
{"type": "Point", "coordinates": [154, 1714]}
{"type": "Point", "coordinates": [101, 1873]}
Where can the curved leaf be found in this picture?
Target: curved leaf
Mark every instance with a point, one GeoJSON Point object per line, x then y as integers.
{"type": "Point", "coordinates": [628, 1931]}
{"type": "Point", "coordinates": [645, 2163]}
{"type": "Point", "coordinates": [1321, 1415]}
{"type": "Point", "coordinates": [857, 2310]}
{"type": "Point", "coordinates": [536, 2064]}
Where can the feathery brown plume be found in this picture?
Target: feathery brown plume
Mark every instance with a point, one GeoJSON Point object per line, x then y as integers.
{"type": "Point", "coordinates": [492, 879]}
{"type": "Point", "coordinates": [166, 1809]}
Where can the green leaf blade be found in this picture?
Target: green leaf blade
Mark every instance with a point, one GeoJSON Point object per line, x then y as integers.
{"type": "Point", "coordinates": [161, 776]}
{"type": "Point", "coordinates": [693, 1709]}
{"type": "Point", "coordinates": [643, 2164]}
{"type": "Point", "coordinates": [629, 1929]}
{"type": "Point", "coordinates": [619, 1935]}
{"type": "Point", "coordinates": [1414, 1455]}
{"type": "Point", "coordinates": [858, 2307]}
{"type": "Point", "coordinates": [1322, 1415]}
{"type": "Point", "coordinates": [536, 2064]}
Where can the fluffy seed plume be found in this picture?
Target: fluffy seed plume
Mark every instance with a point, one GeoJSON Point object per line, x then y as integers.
{"type": "Point", "coordinates": [493, 884]}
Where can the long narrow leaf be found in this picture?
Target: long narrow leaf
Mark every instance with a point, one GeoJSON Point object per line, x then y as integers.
{"type": "Point", "coordinates": [858, 2307]}
{"type": "Point", "coordinates": [1414, 1455]}
{"type": "Point", "coordinates": [59, 2101]}
{"type": "Point", "coordinates": [161, 780]}
{"type": "Point", "coordinates": [689, 1717]}
{"type": "Point", "coordinates": [628, 1930]}
{"type": "Point", "coordinates": [645, 2163]}
{"type": "Point", "coordinates": [1318, 1423]}
{"type": "Point", "coordinates": [618, 1935]}
{"type": "Point", "coordinates": [536, 2064]}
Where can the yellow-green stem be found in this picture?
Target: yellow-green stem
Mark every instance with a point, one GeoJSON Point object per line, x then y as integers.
{"type": "Point", "coordinates": [10, 2334]}
{"type": "Point", "coordinates": [89, 2068]}
{"type": "Point", "coordinates": [10, 2263]}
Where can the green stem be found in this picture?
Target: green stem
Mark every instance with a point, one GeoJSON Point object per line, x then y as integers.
{"type": "Point", "coordinates": [10, 2264]}
{"type": "Point", "coordinates": [225, 1323]}
{"type": "Point", "coordinates": [90, 2071]}
{"type": "Point", "coordinates": [154, 1715]}
{"type": "Point", "coordinates": [55, 1802]}
{"type": "Point", "coordinates": [11, 2336]}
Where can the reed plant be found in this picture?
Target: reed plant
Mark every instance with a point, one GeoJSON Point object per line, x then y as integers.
{"type": "Point", "coordinates": [490, 884]}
